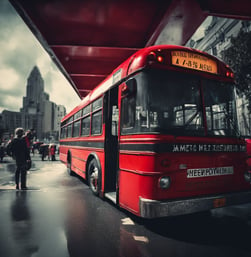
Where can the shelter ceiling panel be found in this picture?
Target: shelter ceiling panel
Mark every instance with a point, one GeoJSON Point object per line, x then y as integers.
{"type": "Point", "coordinates": [240, 9]}
{"type": "Point", "coordinates": [86, 82]}
{"type": "Point", "coordinates": [87, 39]}
{"type": "Point", "coordinates": [91, 60]}
{"type": "Point", "coordinates": [112, 23]}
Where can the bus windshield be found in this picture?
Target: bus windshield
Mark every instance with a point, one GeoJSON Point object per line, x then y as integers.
{"type": "Point", "coordinates": [170, 103]}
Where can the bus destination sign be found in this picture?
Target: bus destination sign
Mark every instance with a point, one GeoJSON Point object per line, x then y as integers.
{"type": "Point", "coordinates": [194, 61]}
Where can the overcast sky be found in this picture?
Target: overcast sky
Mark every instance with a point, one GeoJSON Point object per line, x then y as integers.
{"type": "Point", "coordinates": [19, 53]}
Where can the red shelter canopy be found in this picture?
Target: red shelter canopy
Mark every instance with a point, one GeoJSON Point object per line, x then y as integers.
{"type": "Point", "coordinates": [88, 39]}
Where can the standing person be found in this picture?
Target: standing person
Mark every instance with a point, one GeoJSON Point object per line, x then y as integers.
{"type": "Point", "coordinates": [52, 152]}
{"type": "Point", "coordinates": [21, 154]}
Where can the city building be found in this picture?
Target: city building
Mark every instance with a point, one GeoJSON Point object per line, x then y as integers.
{"type": "Point", "coordinates": [37, 113]}
{"type": "Point", "coordinates": [33, 103]}
{"type": "Point", "coordinates": [216, 39]}
{"type": "Point", "coordinates": [9, 122]}
{"type": "Point", "coordinates": [59, 114]}
{"type": "Point", "coordinates": [218, 34]}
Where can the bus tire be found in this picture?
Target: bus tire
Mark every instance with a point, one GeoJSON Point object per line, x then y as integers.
{"type": "Point", "coordinates": [69, 170]}
{"type": "Point", "coordinates": [94, 177]}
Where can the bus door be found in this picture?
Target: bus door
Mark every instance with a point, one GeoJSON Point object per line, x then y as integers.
{"type": "Point", "coordinates": [111, 143]}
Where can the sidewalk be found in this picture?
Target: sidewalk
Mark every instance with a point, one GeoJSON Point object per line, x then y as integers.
{"type": "Point", "coordinates": [38, 168]}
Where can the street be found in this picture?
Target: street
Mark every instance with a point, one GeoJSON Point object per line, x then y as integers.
{"type": "Point", "coordinates": [58, 216]}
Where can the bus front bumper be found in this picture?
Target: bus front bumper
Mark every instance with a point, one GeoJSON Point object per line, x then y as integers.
{"type": "Point", "coordinates": [155, 209]}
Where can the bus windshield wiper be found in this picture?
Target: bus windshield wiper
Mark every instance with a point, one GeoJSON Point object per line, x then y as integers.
{"type": "Point", "coordinates": [235, 128]}
{"type": "Point", "coordinates": [188, 122]}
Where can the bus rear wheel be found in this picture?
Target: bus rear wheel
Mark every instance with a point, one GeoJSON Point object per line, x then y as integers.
{"type": "Point", "coordinates": [69, 170]}
{"type": "Point", "coordinates": [94, 177]}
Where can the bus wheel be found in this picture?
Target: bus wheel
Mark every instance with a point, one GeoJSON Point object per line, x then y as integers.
{"type": "Point", "coordinates": [94, 178]}
{"type": "Point", "coordinates": [69, 171]}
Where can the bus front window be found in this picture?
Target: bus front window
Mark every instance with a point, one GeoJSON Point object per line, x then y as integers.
{"type": "Point", "coordinates": [165, 102]}
{"type": "Point", "coordinates": [171, 103]}
{"type": "Point", "coordinates": [220, 108]}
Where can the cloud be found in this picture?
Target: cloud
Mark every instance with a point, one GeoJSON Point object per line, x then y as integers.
{"type": "Point", "coordinates": [19, 49]}
{"type": "Point", "coordinates": [20, 52]}
{"type": "Point", "coordinates": [11, 91]}
{"type": "Point", "coordinates": [10, 102]}
{"type": "Point", "coordinates": [8, 79]}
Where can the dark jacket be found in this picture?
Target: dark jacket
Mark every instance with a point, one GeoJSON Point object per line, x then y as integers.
{"type": "Point", "coordinates": [20, 151]}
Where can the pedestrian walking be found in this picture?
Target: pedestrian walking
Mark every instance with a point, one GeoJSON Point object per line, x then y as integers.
{"type": "Point", "coordinates": [21, 154]}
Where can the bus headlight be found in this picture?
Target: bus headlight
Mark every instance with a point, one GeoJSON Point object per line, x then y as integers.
{"type": "Point", "coordinates": [164, 182]}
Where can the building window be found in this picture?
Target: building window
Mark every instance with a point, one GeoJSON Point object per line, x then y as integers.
{"type": "Point", "coordinates": [214, 51]}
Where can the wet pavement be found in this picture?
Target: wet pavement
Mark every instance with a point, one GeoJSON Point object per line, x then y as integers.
{"type": "Point", "coordinates": [59, 217]}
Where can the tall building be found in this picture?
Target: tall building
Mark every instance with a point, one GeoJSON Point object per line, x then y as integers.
{"type": "Point", "coordinates": [34, 102]}
{"type": "Point", "coordinates": [218, 35]}
{"type": "Point", "coordinates": [60, 113]}
{"type": "Point", "coordinates": [38, 112]}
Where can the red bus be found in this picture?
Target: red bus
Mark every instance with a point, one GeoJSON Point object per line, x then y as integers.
{"type": "Point", "coordinates": [159, 136]}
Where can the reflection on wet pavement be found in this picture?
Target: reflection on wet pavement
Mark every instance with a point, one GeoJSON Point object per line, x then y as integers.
{"type": "Point", "coordinates": [59, 217]}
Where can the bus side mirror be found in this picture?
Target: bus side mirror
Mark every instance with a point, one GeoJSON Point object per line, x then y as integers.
{"type": "Point", "coordinates": [129, 88]}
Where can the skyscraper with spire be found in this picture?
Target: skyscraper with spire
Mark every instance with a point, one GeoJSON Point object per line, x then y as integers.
{"type": "Point", "coordinates": [34, 91]}
{"type": "Point", "coordinates": [32, 110]}
{"type": "Point", "coordinates": [38, 112]}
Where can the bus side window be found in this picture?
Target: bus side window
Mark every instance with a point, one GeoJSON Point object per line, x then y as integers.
{"type": "Point", "coordinates": [69, 130]}
{"type": "Point", "coordinates": [76, 128]}
{"type": "Point", "coordinates": [128, 111]}
{"type": "Point", "coordinates": [96, 122]}
{"type": "Point", "coordinates": [85, 126]}
{"type": "Point", "coordinates": [128, 106]}
{"type": "Point", "coordinates": [115, 119]}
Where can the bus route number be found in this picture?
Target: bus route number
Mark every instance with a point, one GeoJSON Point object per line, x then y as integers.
{"type": "Point", "coordinates": [194, 61]}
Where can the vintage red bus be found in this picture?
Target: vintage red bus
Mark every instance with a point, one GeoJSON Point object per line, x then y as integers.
{"type": "Point", "coordinates": [159, 136]}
